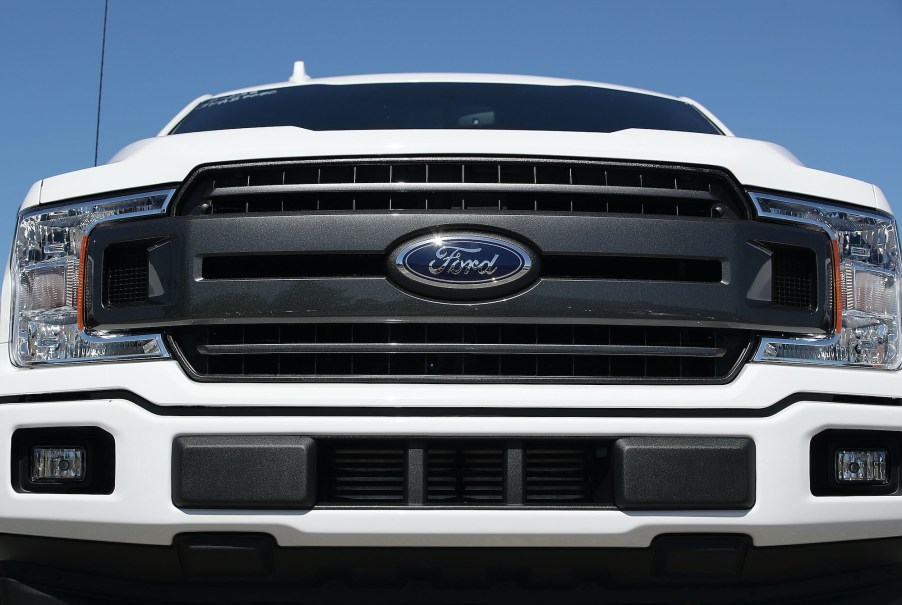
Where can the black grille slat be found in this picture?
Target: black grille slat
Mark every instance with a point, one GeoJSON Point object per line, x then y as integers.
{"type": "Point", "coordinates": [465, 475]}
{"type": "Point", "coordinates": [367, 474]}
{"type": "Point", "coordinates": [557, 474]}
{"type": "Point", "coordinates": [444, 184]}
{"type": "Point", "coordinates": [415, 351]}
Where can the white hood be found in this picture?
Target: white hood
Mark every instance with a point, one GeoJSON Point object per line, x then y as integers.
{"type": "Point", "coordinates": [169, 159]}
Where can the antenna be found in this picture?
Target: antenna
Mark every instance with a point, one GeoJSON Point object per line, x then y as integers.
{"type": "Point", "coordinates": [106, 8]}
{"type": "Point", "coordinates": [300, 73]}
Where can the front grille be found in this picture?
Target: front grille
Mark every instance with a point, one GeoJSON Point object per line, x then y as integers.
{"type": "Point", "coordinates": [286, 271]}
{"type": "Point", "coordinates": [460, 352]}
{"type": "Point", "coordinates": [469, 473]}
{"type": "Point", "coordinates": [461, 184]}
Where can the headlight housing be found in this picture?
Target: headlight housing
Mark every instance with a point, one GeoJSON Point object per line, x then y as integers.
{"type": "Point", "coordinates": [48, 274]}
{"type": "Point", "coordinates": [866, 285]}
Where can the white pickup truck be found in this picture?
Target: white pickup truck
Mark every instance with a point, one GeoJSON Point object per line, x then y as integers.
{"type": "Point", "coordinates": [399, 337]}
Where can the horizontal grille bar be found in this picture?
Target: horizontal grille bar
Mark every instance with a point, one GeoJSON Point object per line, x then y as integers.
{"type": "Point", "coordinates": [483, 348]}
{"type": "Point", "coordinates": [417, 351]}
{"type": "Point", "coordinates": [462, 187]}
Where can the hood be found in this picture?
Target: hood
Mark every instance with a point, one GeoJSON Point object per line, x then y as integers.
{"type": "Point", "coordinates": [169, 159]}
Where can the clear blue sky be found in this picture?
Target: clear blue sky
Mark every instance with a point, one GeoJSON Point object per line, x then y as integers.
{"type": "Point", "coordinates": [820, 77]}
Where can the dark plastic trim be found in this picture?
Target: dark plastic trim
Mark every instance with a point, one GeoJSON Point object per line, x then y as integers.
{"type": "Point", "coordinates": [244, 472]}
{"type": "Point", "coordinates": [465, 412]}
{"type": "Point", "coordinates": [684, 473]}
{"type": "Point", "coordinates": [100, 458]}
{"type": "Point", "coordinates": [189, 299]}
{"type": "Point", "coordinates": [823, 447]}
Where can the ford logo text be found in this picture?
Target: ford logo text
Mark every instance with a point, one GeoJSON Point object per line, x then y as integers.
{"type": "Point", "coordinates": [463, 265]}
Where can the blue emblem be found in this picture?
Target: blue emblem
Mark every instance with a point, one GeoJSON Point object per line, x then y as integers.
{"type": "Point", "coordinates": [481, 264]}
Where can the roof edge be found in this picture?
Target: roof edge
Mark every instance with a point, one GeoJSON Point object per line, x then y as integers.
{"type": "Point", "coordinates": [487, 78]}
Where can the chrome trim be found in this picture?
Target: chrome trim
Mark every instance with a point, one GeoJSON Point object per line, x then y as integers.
{"type": "Point", "coordinates": [818, 225]}
{"type": "Point", "coordinates": [448, 348]}
{"type": "Point", "coordinates": [42, 209]}
{"type": "Point", "coordinates": [466, 187]}
{"type": "Point", "coordinates": [869, 213]}
{"type": "Point", "coordinates": [809, 342]}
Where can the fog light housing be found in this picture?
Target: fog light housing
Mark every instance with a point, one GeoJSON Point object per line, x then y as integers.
{"type": "Point", "coordinates": [862, 466]}
{"type": "Point", "coordinates": [63, 460]}
{"type": "Point", "coordinates": [856, 462]}
{"type": "Point", "coordinates": [57, 464]}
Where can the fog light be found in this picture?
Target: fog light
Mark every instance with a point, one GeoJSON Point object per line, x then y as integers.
{"type": "Point", "coordinates": [862, 466]}
{"type": "Point", "coordinates": [57, 464]}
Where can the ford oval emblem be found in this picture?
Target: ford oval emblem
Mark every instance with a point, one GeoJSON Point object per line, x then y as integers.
{"type": "Point", "coordinates": [463, 265]}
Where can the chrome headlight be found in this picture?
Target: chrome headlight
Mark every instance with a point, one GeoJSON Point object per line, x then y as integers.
{"type": "Point", "coordinates": [866, 273]}
{"type": "Point", "coordinates": [48, 275]}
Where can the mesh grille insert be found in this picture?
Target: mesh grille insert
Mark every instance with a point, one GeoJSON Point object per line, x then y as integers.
{"type": "Point", "coordinates": [795, 278]}
{"type": "Point", "coordinates": [125, 274]}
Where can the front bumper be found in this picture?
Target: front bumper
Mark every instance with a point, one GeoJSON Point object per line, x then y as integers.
{"type": "Point", "coordinates": [140, 509]}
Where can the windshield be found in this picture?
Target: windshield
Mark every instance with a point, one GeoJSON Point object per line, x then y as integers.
{"type": "Point", "coordinates": [429, 105]}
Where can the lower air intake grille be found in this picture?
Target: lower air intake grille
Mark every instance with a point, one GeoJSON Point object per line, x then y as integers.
{"type": "Point", "coordinates": [563, 473]}
{"type": "Point", "coordinates": [464, 473]}
{"type": "Point", "coordinates": [366, 473]}
{"type": "Point", "coordinates": [460, 352]}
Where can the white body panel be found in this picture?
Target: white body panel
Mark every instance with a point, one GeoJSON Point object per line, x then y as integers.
{"type": "Point", "coordinates": [445, 77]}
{"type": "Point", "coordinates": [164, 383]}
{"type": "Point", "coordinates": [141, 511]}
